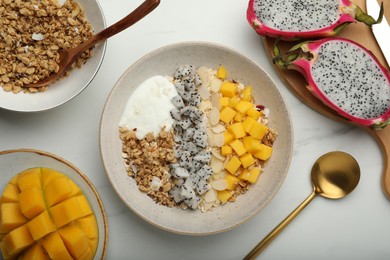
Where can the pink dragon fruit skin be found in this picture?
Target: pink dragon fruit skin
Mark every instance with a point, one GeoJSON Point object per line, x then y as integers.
{"type": "Point", "coordinates": [305, 66]}
{"type": "Point", "coordinates": [348, 13]}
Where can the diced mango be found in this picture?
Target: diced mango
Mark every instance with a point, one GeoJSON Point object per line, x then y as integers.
{"type": "Point", "coordinates": [238, 117]}
{"type": "Point", "coordinates": [248, 123]}
{"type": "Point", "coordinates": [247, 160]}
{"type": "Point", "coordinates": [57, 190]}
{"type": "Point", "coordinates": [17, 240]}
{"type": "Point", "coordinates": [10, 217]}
{"type": "Point", "coordinates": [227, 137]}
{"type": "Point", "coordinates": [10, 193]}
{"type": "Point", "coordinates": [31, 202]}
{"type": "Point", "coordinates": [224, 195]}
{"type": "Point", "coordinates": [251, 144]}
{"type": "Point", "coordinates": [34, 252]}
{"type": "Point", "coordinates": [228, 89]}
{"type": "Point", "coordinates": [233, 164]}
{"type": "Point", "coordinates": [250, 175]}
{"type": "Point", "coordinates": [238, 147]}
{"type": "Point", "coordinates": [223, 101]}
{"type": "Point", "coordinates": [258, 130]}
{"type": "Point", "coordinates": [227, 114]}
{"type": "Point", "coordinates": [55, 247]}
{"type": "Point", "coordinates": [243, 106]}
{"type": "Point", "coordinates": [226, 150]}
{"type": "Point", "coordinates": [254, 113]}
{"type": "Point", "coordinates": [264, 153]}
{"type": "Point", "coordinates": [65, 212]}
{"type": "Point", "coordinates": [247, 93]}
{"type": "Point", "coordinates": [76, 242]}
{"type": "Point", "coordinates": [29, 178]}
{"type": "Point", "coordinates": [232, 181]}
{"type": "Point", "coordinates": [41, 225]}
{"type": "Point", "coordinates": [221, 72]}
{"type": "Point", "coordinates": [233, 101]}
{"type": "Point", "coordinates": [237, 130]}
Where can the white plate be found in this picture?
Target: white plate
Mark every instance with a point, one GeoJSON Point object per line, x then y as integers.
{"type": "Point", "coordinates": [14, 161]}
{"type": "Point", "coordinates": [165, 61]}
{"type": "Point", "coordinates": [66, 89]}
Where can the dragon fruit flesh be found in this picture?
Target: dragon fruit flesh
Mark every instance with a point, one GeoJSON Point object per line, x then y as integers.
{"type": "Point", "coordinates": [296, 19]}
{"type": "Point", "coordinates": [346, 77]}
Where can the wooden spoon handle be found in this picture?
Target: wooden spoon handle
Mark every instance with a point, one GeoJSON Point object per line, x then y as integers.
{"type": "Point", "coordinates": [140, 12]}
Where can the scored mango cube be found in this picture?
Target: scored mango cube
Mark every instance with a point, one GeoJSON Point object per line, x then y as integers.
{"type": "Point", "coordinates": [233, 164]}
{"type": "Point", "coordinates": [31, 202]}
{"type": "Point", "coordinates": [84, 205]}
{"type": "Point", "coordinates": [250, 175]}
{"type": "Point", "coordinates": [75, 240]}
{"type": "Point", "coordinates": [65, 212]}
{"type": "Point", "coordinates": [228, 89]}
{"type": "Point", "coordinates": [258, 130]}
{"type": "Point", "coordinates": [227, 114]}
{"type": "Point", "coordinates": [237, 130]}
{"type": "Point", "coordinates": [57, 190]}
{"type": "Point", "coordinates": [41, 225]}
{"type": "Point", "coordinates": [238, 147]}
{"type": "Point", "coordinates": [29, 178]}
{"type": "Point", "coordinates": [55, 247]}
{"type": "Point", "coordinates": [17, 240]}
{"type": "Point", "coordinates": [11, 217]}
{"type": "Point", "coordinates": [10, 193]}
{"type": "Point", "coordinates": [264, 153]}
{"type": "Point", "coordinates": [35, 252]}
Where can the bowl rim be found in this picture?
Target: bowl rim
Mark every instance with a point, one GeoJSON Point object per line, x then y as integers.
{"type": "Point", "coordinates": [170, 46]}
{"type": "Point", "coordinates": [82, 175]}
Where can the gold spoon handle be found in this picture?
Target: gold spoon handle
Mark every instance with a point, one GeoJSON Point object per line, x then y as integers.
{"type": "Point", "coordinates": [276, 231]}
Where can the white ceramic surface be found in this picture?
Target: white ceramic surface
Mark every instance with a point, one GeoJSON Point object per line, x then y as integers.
{"type": "Point", "coordinates": [164, 61]}
{"type": "Point", "coordinates": [67, 88]}
{"type": "Point", "coordinates": [14, 161]}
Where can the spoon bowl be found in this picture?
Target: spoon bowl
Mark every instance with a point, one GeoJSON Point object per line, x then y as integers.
{"type": "Point", "coordinates": [334, 175]}
{"type": "Point", "coordinates": [68, 56]}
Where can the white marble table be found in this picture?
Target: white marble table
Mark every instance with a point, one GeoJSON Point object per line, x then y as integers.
{"type": "Point", "coordinates": [357, 227]}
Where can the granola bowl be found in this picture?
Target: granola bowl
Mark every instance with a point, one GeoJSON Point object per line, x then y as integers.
{"type": "Point", "coordinates": [14, 161]}
{"type": "Point", "coordinates": [165, 61]}
{"type": "Point", "coordinates": [27, 64]}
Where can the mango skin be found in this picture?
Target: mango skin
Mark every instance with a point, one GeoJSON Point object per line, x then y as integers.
{"type": "Point", "coordinates": [45, 215]}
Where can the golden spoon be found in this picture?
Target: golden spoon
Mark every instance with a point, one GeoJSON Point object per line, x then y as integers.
{"type": "Point", "coordinates": [68, 56]}
{"type": "Point", "coordinates": [334, 175]}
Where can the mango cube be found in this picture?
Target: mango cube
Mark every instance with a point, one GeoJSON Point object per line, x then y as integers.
{"type": "Point", "coordinates": [55, 247]}
{"type": "Point", "coordinates": [232, 181]}
{"type": "Point", "coordinates": [10, 217]}
{"type": "Point", "coordinates": [57, 190]}
{"type": "Point", "coordinates": [243, 106]}
{"type": "Point", "coordinates": [254, 113]}
{"type": "Point", "coordinates": [228, 89]}
{"type": "Point", "coordinates": [31, 202]}
{"type": "Point", "coordinates": [247, 93]}
{"type": "Point", "coordinates": [238, 117]}
{"type": "Point", "coordinates": [251, 144]}
{"type": "Point", "coordinates": [227, 114]}
{"type": "Point", "coordinates": [247, 160]}
{"type": "Point", "coordinates": [227, 137]}
{"type": "Point", "coordinates": [65, 212]}
{"type": "Point", "coordinates": [226, 150]}
{"type": "Point", "coordinates": [258, 130]}
{"type": "Point", "coordinates": [75, 240]}
{"type": "Point", "coordinates": [221, 72]}
{"type": "Point", "coordinates": [264, 153]}
{"type": "Point", "coordinates": [237, 130]}
{"type": "Point", "coordinates": [233, 101]}
{"type": "Point", "coordinates": [17, 240]}
{"type": "Point", "coordinates": [238, 147]}
{"type": "Point", "coordinates": [223, 101]}
{"type": "Point", "coordinates": [29, 178]}
{"type": "Point", "coordinates": [35, 252]}
{"type": "Point", "coordinates": [233, 164]}
{"type": "Point", "coordinates": [41, 225]}
{"type": "Point", "coordinates": [48, 175]}
{"type": "Point", "coordinates": [248, 123]}
{"type": "Point", "coordinates": [10, 193]}
{"type": "Point", "coordinates": [250, 175]}
{"type": "Point", "coordinates": [224, 195]}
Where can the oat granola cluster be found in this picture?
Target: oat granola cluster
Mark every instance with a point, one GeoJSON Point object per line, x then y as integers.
{"type": "Point", "coordinates": [31, 33]}
{"type": "Point", "coordinates": [147, 161]}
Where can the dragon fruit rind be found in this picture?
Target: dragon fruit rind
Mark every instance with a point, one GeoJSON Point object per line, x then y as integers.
{"type": "Point", "coordinates": [295, 19]}
{"type": "Point", "coordinates": [346, 77]}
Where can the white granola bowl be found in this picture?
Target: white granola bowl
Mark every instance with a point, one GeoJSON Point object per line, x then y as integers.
{"type": "Point", "coordinates": [67, 88]}
{"type": "Point", "coordinates": [14, 161]}
{"type": "Point", "coordinates": [165, 61]}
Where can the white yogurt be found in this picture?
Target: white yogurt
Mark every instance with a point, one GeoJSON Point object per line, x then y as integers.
{"type": "Point", "coordinates": [148, 108]}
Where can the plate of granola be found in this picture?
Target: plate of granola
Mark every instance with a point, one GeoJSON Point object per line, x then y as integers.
{"type": "Point", "coordinates": [34, 31]}
{"type": "Point", "coordinates": [196, 144]}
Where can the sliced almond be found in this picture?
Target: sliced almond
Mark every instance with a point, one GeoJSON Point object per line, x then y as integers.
{"type": "Point", "coordinates": [204, 92]}
{"type": "Point", "coordinates": [210, 196]}
{"type": "Point", "coordinates": [219, 139]}
{"type": "Point", "coordinates": [204, 75]}
{"type": "Point", "coordinates": [220, 184]}
{"type": "Point", "coordinates": [215, 84]}
{"type": "Point", "coordinates": [214, 116]}
{"type": "Point", "coordinates": [215, 100]}
{"type": "Point", "coordinates": [218, 128]}
{"type": "Point", "coordinates": [219, 175]}
{"type": "Point", "coordinates": [217, 154]}
{"type": "Point", "coordinates": [210, 137]}
{"type": "Point", "coordinates": [216, 164]}
{"type": "Point", "coordinates": [205, 105]}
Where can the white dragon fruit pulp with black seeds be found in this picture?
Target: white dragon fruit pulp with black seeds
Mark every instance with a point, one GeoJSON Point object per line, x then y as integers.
{"type": "Point", "coordinates": [299, 15]}
{"type": "Point", "coordinates": [354, 82]}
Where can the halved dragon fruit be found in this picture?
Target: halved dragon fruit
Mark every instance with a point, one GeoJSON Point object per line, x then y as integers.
{"type": "Point", "coordinates": [345, 76]}
{"type": "Point", "coordinates": [295, 19]}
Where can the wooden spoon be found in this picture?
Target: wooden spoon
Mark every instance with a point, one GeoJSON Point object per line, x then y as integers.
{"type": "Point", "coordinates": [297, 85]}
{"type": "Point", "coordinates": [68, 56]}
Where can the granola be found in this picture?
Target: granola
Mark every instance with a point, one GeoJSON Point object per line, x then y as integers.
{"type": "Point", "coordinates": [31, 33]}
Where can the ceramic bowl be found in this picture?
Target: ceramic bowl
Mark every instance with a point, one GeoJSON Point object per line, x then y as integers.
{"type": "Point", "coordinates": [67, 88]}
{"type": "Point", "coordinates": [14, 161]}
{"type": "Point", "coordinates": [165, 61]}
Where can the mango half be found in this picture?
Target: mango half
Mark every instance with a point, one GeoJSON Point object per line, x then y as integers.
{"type": "Point", "coordinates": [45, 215]}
